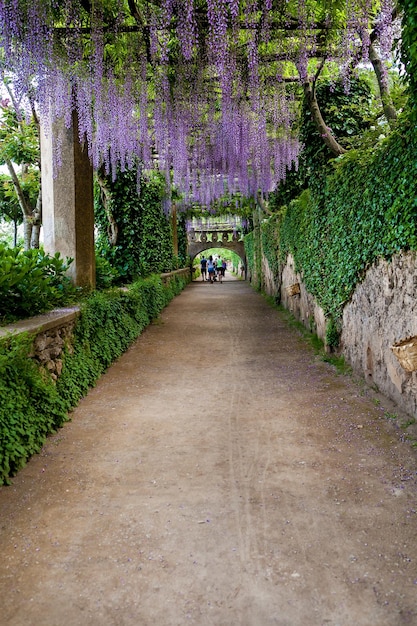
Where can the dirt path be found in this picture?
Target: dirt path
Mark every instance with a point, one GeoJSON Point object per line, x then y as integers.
{"type": "Point", "coordinates": [219, 474]}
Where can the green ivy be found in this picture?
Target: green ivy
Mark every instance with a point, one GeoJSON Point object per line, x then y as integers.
{"type": "Point", "coordinates": [348, 115]}
{"type": "Point", "coordinates": [32, 405]}
{"type": "Point", "coordinates": [409, 50]}
{"type": "Point", "coordinates": [253, 258]}
{"type": "Point", "coordinates": [270, 242]}
{"type": "Point", "coordinates": [144, 239]}
{"type": "Point", "coordinates": [30, 409]}
{"type": "Point", "coordinates": [366, 209]}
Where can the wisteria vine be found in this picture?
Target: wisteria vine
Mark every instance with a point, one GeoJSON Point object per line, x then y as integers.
{"type": "Point", "coordinates": [196, 89]}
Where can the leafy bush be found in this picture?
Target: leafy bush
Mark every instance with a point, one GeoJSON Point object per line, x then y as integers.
{"type": "Point", "coordinates": [349, 115]}
{"type": "Point", "coordinates": [106, 275]}
{"type": "Point", "coordinates": [32, 282]}
{"type": "Point", "coordinates": [333, 331]}
{"type": "Point", "coordinates": [30, 408]}
{"type": "Point", "coordinates": [33, 405]}
{"type": "Point", "coordinates": [144, 242]}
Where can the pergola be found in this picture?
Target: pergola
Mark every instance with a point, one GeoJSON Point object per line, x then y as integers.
{"type": "Point", "coordinates": [205, 88]}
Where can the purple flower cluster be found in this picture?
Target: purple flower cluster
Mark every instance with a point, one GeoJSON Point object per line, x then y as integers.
{"type": "Point", "coordinates": [208, 110]}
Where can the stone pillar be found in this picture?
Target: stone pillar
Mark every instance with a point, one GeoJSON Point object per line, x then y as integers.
{"type": "Point", "coordinates": [68, 202]}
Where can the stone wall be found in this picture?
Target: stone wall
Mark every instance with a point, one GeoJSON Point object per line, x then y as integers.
{"type": "Point", "coordinates": [302, 305]}
{"type": "Point", "coordinates": [381, 312]}
{"type": "Point", "coordinates": [49, 345]}
{"type": "Point", "coordinates": [52, 333]}
{"type": "Point", "coordinates": [270, 284]}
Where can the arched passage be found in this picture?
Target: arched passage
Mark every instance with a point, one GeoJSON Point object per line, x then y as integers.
{"type": "Point", "coordinates": [230, 239]}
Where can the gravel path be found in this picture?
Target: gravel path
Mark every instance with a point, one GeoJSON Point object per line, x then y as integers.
{"type": "Point", "coordinates": [219, 474]}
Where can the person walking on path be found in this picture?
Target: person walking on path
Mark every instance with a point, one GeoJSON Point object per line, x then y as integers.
{"type": "Point", "coordinates": [203, 265]}
{"type": "Point", "coordinates": [221, 266]}
{"type": "Point", "coordinates": [210, 269]}
{"type": "Point", "coordinates": [219, 269]}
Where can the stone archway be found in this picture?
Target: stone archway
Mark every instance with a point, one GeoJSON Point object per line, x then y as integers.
{"type": "Point", "coordinates": [230, 239]}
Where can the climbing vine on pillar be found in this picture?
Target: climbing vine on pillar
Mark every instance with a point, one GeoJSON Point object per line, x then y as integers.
{"type": "Point", "coordinates": [134, 232]}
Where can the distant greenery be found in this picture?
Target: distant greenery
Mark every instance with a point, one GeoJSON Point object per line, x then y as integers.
{"type": "Point", "coordinates": [250, 240]}
{"type": "Point", "coordinates": [32, 405]}
{"type": "Point", "coordinates": [269, 237]}
{"type": "Point", "coordinates": [10, 210]}
{"type": "Point", "coordinates": [19, 145]}
{"type": "Point", "coordinates": [409, 50]}
{"type": "Point", "coordinates": [106, 275]}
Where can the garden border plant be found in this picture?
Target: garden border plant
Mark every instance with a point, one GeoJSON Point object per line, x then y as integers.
{"type": "Point", "coordinates": [32, 282]}
{"type": "Point", "coordinates": [34, 405]}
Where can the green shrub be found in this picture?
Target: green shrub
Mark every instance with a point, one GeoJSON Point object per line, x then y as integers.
{"type": "Point", "coordinates": [144, 241]}
{"type": "Point", "coordinates": [32, 282]}
{"type": "Point", "coordinates": [30, 408]}
{"type": "Point", "coordinates": [332, 333]}
{"type": "Point", "coordinates": [106, 275]}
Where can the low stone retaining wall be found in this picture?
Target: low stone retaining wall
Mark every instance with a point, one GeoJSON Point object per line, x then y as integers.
{"type": "Point", "coordinates": [53, 331]}
{"type": "Point", "coordinates": [184, 271]}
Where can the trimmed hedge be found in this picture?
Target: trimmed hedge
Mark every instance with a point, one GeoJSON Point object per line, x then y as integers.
{"type": "Point", "coordinates": [33, 405]}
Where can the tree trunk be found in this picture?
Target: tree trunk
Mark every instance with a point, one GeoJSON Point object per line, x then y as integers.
{"type": "Point", "coordinates": [112, 229]}
{"type": "Point", "coordinates": [380, 73]}
{"type": "Point", "coordinates": [37, 220]}
{"type": "Point", "coordinates": [27, 232]}
{"type": "Point", "coordinates": [325, 132]}
{"type": "Point", "coordinates": [24, 205]}
{"type": "Point", "coordinates": [263, 204]}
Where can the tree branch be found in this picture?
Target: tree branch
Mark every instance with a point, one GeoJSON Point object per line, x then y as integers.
{"type": "Point", "coordinates": [262, 204]}
{"type": "Point", "coordinates": [24, 205]}
{"type": "Point", "coordinates": [325, 132]}
{"type": "Point", "coordinates": [380, 73]}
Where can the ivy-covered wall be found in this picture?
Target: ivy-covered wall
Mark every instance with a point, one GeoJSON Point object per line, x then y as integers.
{"type": "Point", "coordinates": [366, 209]}
{"type": "Point", "coordinates": [362, 221]}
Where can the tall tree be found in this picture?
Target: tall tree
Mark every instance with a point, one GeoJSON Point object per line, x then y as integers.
{"type": "Point", "coordinates": [19, 146]}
